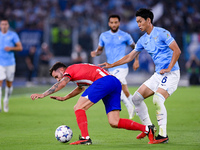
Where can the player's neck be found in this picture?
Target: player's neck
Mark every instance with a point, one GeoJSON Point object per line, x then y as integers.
{"type": "Point", "coordinates": [4, 31]}
{"type": "Point", "coordinates": [149, 29]}
{"type": "Point", "coordinates": [114, 31]}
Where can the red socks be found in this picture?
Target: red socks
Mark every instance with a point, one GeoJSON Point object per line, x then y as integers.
{"type": "Point", "coordinates": [81, 119]}
{"type": "Point", "coordinates": [130, 125]}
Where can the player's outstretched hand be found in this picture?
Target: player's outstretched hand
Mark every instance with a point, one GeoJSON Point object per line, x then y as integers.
{"type": "Point", "coordinates": [36, 96]}
{"type": "Point", "coordinates": [105, 65]}
{"type": "Point", "coordinates": [58, 98]}
{"type": "Point", "coordinates": [93, 53]}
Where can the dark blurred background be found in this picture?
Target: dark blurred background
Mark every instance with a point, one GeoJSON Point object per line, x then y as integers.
{"type": "Point", "coordinates": [67, 27]}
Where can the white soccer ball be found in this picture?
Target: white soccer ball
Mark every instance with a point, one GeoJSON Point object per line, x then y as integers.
{"type": "Point", "coordinates": [63, 134]}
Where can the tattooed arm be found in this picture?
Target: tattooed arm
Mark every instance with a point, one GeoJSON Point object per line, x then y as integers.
{"type": "Point", "coordinates": [56, 87]}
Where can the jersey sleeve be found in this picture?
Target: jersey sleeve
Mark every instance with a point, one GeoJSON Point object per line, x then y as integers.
{"type": "Point", "coordinates": [15, 38]}
{"type": "Point", "coordinates": [68, 73]}
{"type": "Point", "coordinates": [129, 39]}
{"type": "Point", "coordinates": [101, 42]}
{"type": "Point", "coordinates": [166, 37]}
{"type": "Point", "coordinates": [138, 46]}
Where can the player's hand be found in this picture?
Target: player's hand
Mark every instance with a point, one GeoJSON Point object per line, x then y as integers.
{"type": "Point", "coordinates": [136, 65]}
{"type": "Point", "coordinates": [7, 49]}
{"type": "Point", "coordinates": [105, 65]}
{"type": "Point", "coordinates": [58, 98]}
{"type": "Point", "coordinates": [164, 71]}
{"type": "Point", "coordinates": [36, 96]}
{"type": "Point", "coordinates": [93, 53]}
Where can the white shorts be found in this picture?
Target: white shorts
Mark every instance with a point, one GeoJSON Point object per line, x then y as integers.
{"type": "Point", "coordinates": [120, 74]}
{"type": "Point", "coordinates": [168, 81]}
{"type": "Point", "coordinates": [7, 72]}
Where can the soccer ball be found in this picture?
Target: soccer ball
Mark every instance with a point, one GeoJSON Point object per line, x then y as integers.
{"type": "Point", "coordinates": [63, 134]}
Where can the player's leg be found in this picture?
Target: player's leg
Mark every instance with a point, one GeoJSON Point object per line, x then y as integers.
{"type": "Point", "coordinates": [1, 82]}
{"type": "Point", "coordinates": [2, 78]}
{"type": "Point", "coordinates": [10, 72]}
{"type": "Point", "coordinates": [116, 122]}
{"type": "Point", "coordinates": [140, 106]}
{"type": "Point", "coordinates": [147, 89]}
{"type": "Point", "coordinates": [100, 87]}
{"type": "Point", "coordinates": [161, 114]}
{"type": "Point", "coordinates": [8, 92]}
{"type": "Point", "coordinates": [80, 108]}
{"type": "Point", "coordinates": [168, 84]}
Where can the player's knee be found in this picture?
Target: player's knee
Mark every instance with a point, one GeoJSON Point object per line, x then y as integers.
{"type": "Point", "coordinates": [76, 107]}
{"type": "Point", "coordinates": [137, 98]}
{"type": "Point", "coordinates": [113, 124]}
{"type": "Point", "coordinates": [157, 97]}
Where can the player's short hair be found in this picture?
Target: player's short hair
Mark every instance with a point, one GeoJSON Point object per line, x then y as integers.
{"type": "Point", "coordinates": [145, 13]}
{"type": "Point", "coordinates": [3, 19]}
{"type": "Point", "coordinates": [114, 16]}
{"type": "Point", "coordinates": [56, 66]}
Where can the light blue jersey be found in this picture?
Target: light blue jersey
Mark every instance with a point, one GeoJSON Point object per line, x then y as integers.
{"type": "Point", "coordinates": [157, 45]}
{"type": "Point", "coordinates": [115, 46]}
{"type": "Point", "coordinates": [8, 39]}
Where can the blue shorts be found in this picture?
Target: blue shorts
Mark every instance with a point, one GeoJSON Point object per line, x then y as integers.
{"type": "Point", "coordinates": [108, 89]}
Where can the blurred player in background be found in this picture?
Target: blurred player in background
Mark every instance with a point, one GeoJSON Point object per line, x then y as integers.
{"type": "Point", "coordinates": [9, 42]}
{"type": "Point", "coordinates": [79, 55]}
{"type": "Point", "coordinates": [103, 86]}
{"type": "Point", "coordinates": [30, 65]}
{"type": "Point", "coordinates": [115, 41]}
{"type": "Point", "coordinates": [44, 64]}
{"type": "Point", "coordinates": [165, 52]}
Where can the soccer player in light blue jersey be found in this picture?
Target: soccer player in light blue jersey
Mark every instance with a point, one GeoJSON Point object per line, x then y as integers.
{"type": "Point", "coordinates": [165, 52]}
{"type": "Point", "coordinates": [9, 42]}
{"type": "Point", "coordinates": [115, 41]}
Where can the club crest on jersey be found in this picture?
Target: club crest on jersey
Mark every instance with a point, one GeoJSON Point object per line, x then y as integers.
{"type": "Point", "coordinates": [119, 37]}
{"type": "Point", "coordinates": [155, 38]}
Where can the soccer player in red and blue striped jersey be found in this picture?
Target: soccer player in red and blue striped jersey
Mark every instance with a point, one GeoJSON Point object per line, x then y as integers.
{"type": "Point", "coordinates": [103, 86]}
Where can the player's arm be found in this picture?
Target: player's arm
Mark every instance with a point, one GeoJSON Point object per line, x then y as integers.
{"type": "Point", "coordinates": [136, 64]}
{"type": "Point", "coordinates": [56, 87]}
{"type": "Point", "coordinates": [73, 93]}
{"type": "Point", "coordinates": [17, 47]}
{"type": "Point", "coordinates": [97, 52]}
{"type": "Point", "coordinates": [176, 53]}
{"type": "Point", "coordinates": [122, 61]}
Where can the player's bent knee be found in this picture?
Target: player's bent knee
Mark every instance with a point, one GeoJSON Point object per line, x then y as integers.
{"type": "Point", "coordinates": [76, 107]}
{"type": "Point", "coordinates": [158, 98]}
{"type": "Point", "coordinates": [113, 123]}
{"type": "Point", "coordinates": [137, 98]}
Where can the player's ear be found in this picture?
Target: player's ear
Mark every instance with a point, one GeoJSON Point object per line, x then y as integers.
{"type": "Point", "coordinates": [149, 20]}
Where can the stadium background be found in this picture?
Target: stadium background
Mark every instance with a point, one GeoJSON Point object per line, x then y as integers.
{"type": "Point", "coordinates": [65, 23]}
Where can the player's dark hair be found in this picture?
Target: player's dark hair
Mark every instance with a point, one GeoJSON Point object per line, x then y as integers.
{"type": "Point", "coordinates": [56, 66]}
{"type": "Point", "coordinates": [145, 13]}
{"type": "Point", "coordinates": [3, 18]}
{"type": "Point", "coordinates": [114, 16]}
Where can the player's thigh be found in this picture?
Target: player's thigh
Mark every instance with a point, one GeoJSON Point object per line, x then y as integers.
{"type": "Point", "coordinates": [10, 73]}
{"type": "Point", "coordinates": [150, 86]}
{"type": "Point", "coordinates": [145, 91]}
{"type": "Point", "coordinates": [2, 73]}
{"type": "Point", "coordinates": [83, 103]}
{"type": "Point", "coordinates": [169, 82]}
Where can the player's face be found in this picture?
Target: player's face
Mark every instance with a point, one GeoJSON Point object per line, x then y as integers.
{"type": "Point", "coordinates": [4, 26]}
{"type": "Point", "coordinates": [114, 24]}
{"type": "Point", "coordinates": [58, 74]}
{"type": "Point", "coordinates": [142, 23]}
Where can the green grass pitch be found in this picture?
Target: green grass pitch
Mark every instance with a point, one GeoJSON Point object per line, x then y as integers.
{"type": "Point", "coordinates": [30, 125]}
